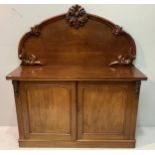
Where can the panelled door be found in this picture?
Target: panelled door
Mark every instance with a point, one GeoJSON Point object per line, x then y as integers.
{"type": "Point", "coordinates": [49, 110]}
{"type": "Point", "coordinates": [106, 110]}
{"type": "Point", "coordinates": [97, 111]}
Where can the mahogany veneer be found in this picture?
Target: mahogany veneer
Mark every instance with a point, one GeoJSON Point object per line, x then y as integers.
{"type": "Point", "coordinates": [76, 85]}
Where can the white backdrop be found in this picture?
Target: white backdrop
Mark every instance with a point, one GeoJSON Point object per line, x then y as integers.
{"type": "Point", "coordinates": [138, 20]}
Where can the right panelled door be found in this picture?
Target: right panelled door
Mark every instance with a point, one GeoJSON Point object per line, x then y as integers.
{"type": "Point", "coordinates": [106, 110]}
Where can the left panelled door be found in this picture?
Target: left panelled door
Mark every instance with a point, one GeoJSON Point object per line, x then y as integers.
{"type": "Point", "coordinates": [49, 110]}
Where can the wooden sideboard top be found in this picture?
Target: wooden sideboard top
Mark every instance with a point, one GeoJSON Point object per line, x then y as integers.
{"type": "Point", "coordinates": [74, 72]}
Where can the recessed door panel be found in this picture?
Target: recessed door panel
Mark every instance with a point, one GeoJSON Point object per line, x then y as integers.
{"type": "Point", "coordinates": [102, 110]}
{"type": "Point", "coordinates": [50, 110]}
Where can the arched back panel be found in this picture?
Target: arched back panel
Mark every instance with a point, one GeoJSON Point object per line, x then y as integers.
{"type": "Point", "coordinates": [77, 38]}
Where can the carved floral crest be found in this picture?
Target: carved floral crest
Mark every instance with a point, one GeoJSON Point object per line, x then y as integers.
{"type": "Point", "coordinates": [76, 16]}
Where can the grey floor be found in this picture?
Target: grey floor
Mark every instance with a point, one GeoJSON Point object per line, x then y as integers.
{"type": "Point", "coordinates": [145, 137]}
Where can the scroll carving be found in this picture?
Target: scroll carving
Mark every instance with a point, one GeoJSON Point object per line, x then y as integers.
{"type": "Point", "coordinates": [117, 30]}
{"type": "Point", "coordinates": [29, 59]}
{"type": "Point", "coordinates": [35, 31]}
{"type": "Point", "coordinates": [76, 16]}
{"type": "Point", "coordinates": [124, 60]}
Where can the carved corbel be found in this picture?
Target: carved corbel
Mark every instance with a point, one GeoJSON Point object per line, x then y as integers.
{"type": "Point", "coordinates": [15, 87]}
{"type": "Point", "coordinates": [76, 16]}
{"type": "Point", "coordinates": [137, 87]}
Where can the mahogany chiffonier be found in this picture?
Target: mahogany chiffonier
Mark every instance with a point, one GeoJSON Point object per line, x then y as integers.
{"type": "Point", "coordinates": [76, 85]}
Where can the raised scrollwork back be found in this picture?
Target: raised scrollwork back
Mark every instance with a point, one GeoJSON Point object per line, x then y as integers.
{"type": "Point", "coordinates": [68, 38]}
